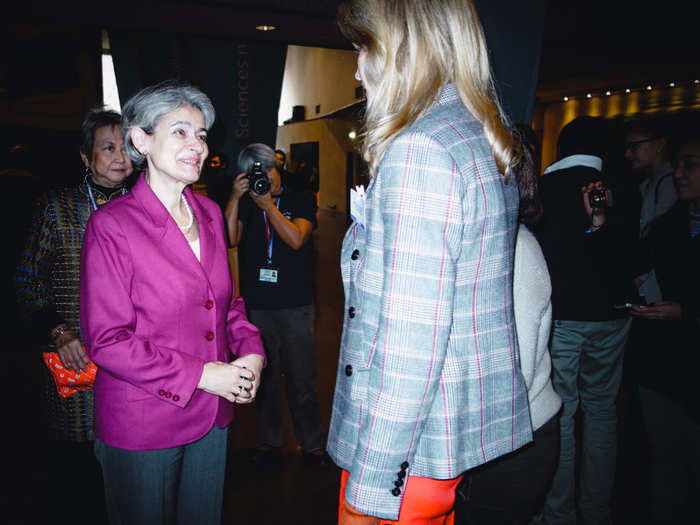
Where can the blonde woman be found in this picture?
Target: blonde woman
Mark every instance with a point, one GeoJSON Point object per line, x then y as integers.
{"type": "Point", "coordinates": [429, 382]}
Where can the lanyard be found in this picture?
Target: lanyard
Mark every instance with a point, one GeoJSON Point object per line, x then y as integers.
{"type": "Point", "coordinates": [269, 232]}
{"type": "Point", "coordinates": [92, 197]}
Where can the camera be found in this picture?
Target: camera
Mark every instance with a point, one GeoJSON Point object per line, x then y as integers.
{"type": "Point", "coordinates": [259, 182]}
{"type": "Point", "coordinates": [598, 198]}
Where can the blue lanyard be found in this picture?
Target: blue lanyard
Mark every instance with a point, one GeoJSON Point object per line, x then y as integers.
{"type": "Point", "coordinates": [92, 197]}
{"type": "Point", "coordinates": [270, 232]}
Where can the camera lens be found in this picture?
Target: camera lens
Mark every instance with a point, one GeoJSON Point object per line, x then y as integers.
{"type": "Point", "coordinates": [261, 185]}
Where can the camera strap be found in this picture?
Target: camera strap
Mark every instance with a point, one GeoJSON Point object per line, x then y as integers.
{"type": "Point", "coordinates": [270, 233]}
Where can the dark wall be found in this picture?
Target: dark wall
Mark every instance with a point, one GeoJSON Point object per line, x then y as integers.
{"type": "Point", "coordinates": [514, 32]}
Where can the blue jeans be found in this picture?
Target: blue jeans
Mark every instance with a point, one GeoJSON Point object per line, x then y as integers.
{"type": "Point", "coordinates": [180, 485]}
{"type": "Point", "coordinates": [586, 369]}
{"type": "Point", "coordinates": [288, 336]}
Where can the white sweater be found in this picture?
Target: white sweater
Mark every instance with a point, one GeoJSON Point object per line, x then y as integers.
{"type": "Point", "coordinates": [532, 292]}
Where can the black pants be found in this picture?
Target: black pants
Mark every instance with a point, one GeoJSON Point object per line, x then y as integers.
{"type": "Point", "coordinates": [511, 489]}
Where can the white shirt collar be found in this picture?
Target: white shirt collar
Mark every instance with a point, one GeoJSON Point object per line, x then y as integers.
{"type": "Point", "coordinates": [589, 161]}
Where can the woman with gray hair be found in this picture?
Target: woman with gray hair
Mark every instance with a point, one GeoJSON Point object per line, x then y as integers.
{"type": "Point", "coordinates": [161, 322]}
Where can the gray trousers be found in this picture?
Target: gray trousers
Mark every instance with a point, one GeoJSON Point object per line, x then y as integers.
{"type": "Point", "coordinates": [586, 369]}
{"type": "Point", "coordinates": [172, 486]}
{"type": "Point", "coordinates": [288, 336]}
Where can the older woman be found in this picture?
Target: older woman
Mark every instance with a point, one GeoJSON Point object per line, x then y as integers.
{"type": "Point", "coordinates": [429, 382]}
{"type": "Point", "coordinates": [161, 322]}
{"type": "Point", "coordinates": [48, 287]}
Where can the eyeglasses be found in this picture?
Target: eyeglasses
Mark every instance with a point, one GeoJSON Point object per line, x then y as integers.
{"type": "Point", "coordinates": [630, 146]}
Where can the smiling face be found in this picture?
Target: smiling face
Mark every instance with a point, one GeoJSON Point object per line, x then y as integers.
{"type": "Point", "coordinates": [178, 146]}
{"type": "Point", "coordinates": [687, 174]}
{"type": "Point", "coordinates": [109, 163]}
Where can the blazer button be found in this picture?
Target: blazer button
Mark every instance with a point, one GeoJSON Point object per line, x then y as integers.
{"type": "Point", "coordinates": [161, 392]}
{"type": "Point", "coordinates": [176, 398]}
{"type": "Point", "coordinates": [351, 312]}
{"type": "Point", "coordinates": [209, 304]}
{"type": "Point", "coordinates": [348, 370]}
{"type": "Point", "coordinates": [355, 255]}
{"type": "Point", "coordinates": [168, 395]}
{"type": "Point", "coordinates": [401, 474]}
{"type": "Point", "coordinates": [398, 482]}
{"type": "Point", "coordinates": [404, 465]}
{"type": "Point", "coordinates": [210, 336]}
{"type": "Point", "coordinates": [396, 491]}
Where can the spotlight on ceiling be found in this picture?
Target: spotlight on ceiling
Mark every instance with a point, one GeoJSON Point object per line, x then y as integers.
{"type": "Point", "coordinates": [265, 28]}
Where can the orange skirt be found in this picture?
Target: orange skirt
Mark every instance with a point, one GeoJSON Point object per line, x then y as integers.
{"type": "Point", "coordinates": [426, 501]}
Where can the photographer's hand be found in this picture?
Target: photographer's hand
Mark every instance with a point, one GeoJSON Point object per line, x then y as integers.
{"type": "Point", "coordinates": [240, 187]}
{"type": "Point", "coordinates": [264, 202]}
{"type": "Point", "coordinates": [597, 215]}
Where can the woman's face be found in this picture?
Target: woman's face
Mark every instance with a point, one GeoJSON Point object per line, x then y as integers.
{"type": "Point", "coordinates": [178, 146]}
{"type": "Point", "coordinates": [360, 73]}
{"type": "Point", "coordinates": [687, 174]}
{"type": "Point", "coordinates": [109, 163]}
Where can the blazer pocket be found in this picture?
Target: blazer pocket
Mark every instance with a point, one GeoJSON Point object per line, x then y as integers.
{"type": "Point", "coordinates": [136, 394]}
{"type": "Point", "coordinates": [358, 387]}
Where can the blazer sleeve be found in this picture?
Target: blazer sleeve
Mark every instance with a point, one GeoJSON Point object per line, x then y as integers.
{"type": "Point", "coordinates": [421, 212]}
{"type": "Point", "coordinates": [108, 318]}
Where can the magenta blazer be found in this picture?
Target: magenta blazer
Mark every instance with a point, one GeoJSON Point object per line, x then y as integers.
{"type": "Point", "coordinates": [152, 315]}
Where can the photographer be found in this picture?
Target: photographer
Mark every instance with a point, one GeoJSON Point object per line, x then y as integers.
{"type": "Point", "coordinates": [272, 229]}
{"type": "Point", "coordinates": [586, 246]}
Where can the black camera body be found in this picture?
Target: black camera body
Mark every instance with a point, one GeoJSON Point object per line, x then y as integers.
{"type": "Point", "coordinates": [598, 198]}
{"type": "Point", "coordinates": [259, 182]}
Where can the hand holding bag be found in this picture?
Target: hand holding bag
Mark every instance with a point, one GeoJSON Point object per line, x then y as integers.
{"type": "Point", "coordinates": [69, 381]}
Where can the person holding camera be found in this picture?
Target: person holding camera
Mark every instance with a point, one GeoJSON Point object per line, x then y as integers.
{"type": "Point", "coordinates": [272, 229]}
{"type": "Point", "coordinates": [586, 246]}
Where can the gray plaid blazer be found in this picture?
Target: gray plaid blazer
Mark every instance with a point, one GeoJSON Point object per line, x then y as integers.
{"type": "Point", "coordinates": [429, 381]}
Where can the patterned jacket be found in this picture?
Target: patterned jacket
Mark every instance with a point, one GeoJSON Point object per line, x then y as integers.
{"type": "Point", "coordinates": [48, 289]}
{"type": "Point", "coordinates": [429, 381]}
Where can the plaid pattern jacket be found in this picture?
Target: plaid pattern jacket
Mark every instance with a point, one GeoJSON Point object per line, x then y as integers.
{"type": "Point", "coordinates": [429, 381]}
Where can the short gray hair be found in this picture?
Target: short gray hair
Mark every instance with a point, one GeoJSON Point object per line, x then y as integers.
{"type": "Point", "coordinates": [256, 152]}
{"type": "Point", "coordinates": [145, 109]}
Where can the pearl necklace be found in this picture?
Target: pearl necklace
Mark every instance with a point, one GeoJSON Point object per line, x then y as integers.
{"type": "Point", "coordinates": [189, 212]}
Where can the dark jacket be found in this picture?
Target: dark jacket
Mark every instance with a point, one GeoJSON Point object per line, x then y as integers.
{"type": "Point", "coordinates": [663, 353]}
{"type": "Point", "coordinates": [589, 271]}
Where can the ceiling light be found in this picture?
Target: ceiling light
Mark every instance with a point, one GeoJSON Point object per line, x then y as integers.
{"type": "Point", "coordinates": [627, 90]}
{"type": "Point", "coordinates": [265, 28]}
{"type": "Point", "coordinates": [608, 93]}
{"type": "Point", "coordinates": [352, 135]}
{"type": "Point", "coordinates": [588, 95]}
{"type": "Point", "coordinates": [566, 98]}
{"type": "Point", "coordinates": [648, 88]}
{"type": "Point", "coordinates": [672, 84]}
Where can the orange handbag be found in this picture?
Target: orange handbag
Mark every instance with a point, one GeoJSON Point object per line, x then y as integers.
{"type": "Point", "coordinates": [69, 381]}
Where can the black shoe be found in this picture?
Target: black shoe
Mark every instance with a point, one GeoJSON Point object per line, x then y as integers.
{"type": "Point", "coordinates": [266, 456]}
{"type": "Point", "coordinates": [318, 459]}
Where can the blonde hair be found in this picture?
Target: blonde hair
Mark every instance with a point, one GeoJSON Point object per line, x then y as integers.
{"type": "Point", "coordinates": [413, 49]}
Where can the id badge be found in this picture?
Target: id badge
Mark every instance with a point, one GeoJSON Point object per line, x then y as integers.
{"type": "Point", "coordinates": [268, 274]}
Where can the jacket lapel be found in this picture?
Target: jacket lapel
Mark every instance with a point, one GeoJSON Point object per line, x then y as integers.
{"type": "Point", "coordinates": [207, 238]}
{"type": "Point", "coordinates": [169, 235]}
